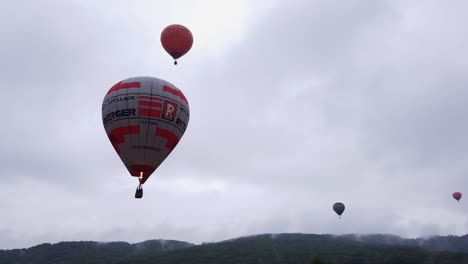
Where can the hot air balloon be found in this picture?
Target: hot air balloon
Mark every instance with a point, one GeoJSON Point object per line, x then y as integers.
{"type": "Point", "coordinates": [144, 118]}
{"type": "Point", "coordinates": [457, 196]}
{"type": "Point", "coordinates": [177, 40]}
{"type": "Point", "coordinates": [338, 208]}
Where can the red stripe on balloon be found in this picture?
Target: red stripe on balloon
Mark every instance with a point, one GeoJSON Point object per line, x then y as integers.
{"type": "Point", "coordinates": [117, 136]}
{"type": "Point", "coordinates": [172, 138]}
{"type": "Point", "coordinates": [149, 112]}
{"type": "Point", "coordinates": [175, 92]}
{"type": "Point", "coordinates": [150, 104]}
{"type": "Point", "coordinates": [150, 98]}
{"type": "Point", "coordinates": [122, 85]}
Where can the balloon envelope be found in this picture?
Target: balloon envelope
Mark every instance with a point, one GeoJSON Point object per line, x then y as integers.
{"type": "Point", "coordinates": [144, 118]}
{"type": "Point", "coordinates": [177, 40]}
{"type": "Point", "coordinates": [457, 196]}
{"type": "Point", "coordinates": [338, 208]}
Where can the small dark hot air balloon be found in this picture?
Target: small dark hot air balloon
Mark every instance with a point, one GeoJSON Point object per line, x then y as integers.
{"type": "Point", "coordinates": [177, 40]}
{"type": "Point", "coordinates": [457, 196]}
{"type": "Point", "coordinates": [144, 118]}
{"type": "Point", "coordinates": [338, 208]}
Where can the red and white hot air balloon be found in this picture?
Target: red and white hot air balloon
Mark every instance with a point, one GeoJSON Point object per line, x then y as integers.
{"type": "Point", "coordinates": [144, 118]}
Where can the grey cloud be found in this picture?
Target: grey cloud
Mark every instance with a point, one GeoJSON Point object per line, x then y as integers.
{"type": "Point", "coordinates": [359, 102]}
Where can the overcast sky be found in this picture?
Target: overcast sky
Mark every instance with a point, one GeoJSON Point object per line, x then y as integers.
{"type": "Point", "coordinates": [294, 105]}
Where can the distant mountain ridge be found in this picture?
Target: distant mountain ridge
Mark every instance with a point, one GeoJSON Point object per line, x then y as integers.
{"type": "Point", "coordinates": [110, 252]}
{"type": "Point", "coordinates": [282, 248]}
{"type": "Point", "coordinates": [434, 243]}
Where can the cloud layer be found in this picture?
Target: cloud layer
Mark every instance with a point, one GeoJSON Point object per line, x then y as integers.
{"type": "Point", "coordinates": [294, 106]}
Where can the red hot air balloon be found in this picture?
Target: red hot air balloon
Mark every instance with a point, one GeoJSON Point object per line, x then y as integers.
{"type": "Point", "coordinates": [457, 196]}
{"type": "Point", "coordinates": [144, 118]}
{"type": "Point", "coordinates": [177, 40]}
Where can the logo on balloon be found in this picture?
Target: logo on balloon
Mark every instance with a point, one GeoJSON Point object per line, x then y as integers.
{"type": "Point", "coordinates": [169, 110]}
{"type": "Point", "coordinates": [119, 113]}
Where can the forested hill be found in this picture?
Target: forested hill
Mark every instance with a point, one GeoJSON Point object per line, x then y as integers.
{"type": "Point", "coordinates": [88, 252]}
{"type": "Point", "coordinates": [264, 249]}
{"type": "Point", "coordinates": [438, 243]}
